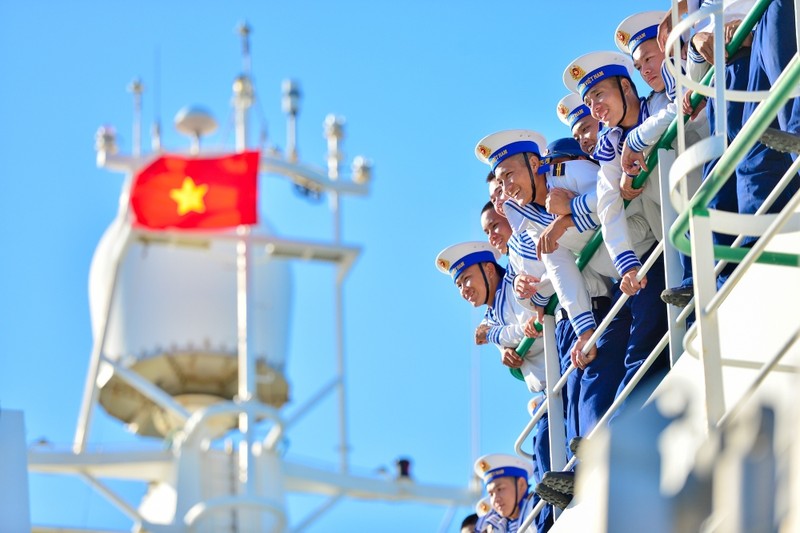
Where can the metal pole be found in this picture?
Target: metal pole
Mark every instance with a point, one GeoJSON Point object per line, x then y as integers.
{"type": "Point", "coordinates": [245, 359]}
{"type": "Point", "coordinates": [242, 100]}
{"type": "Point", "coordinates": [705, 284]}
{"type": "Point", "coordinates": [137, 88]}
{"type": "Point", "coordinates": [343, 446]}
{"type": "Point", "coordinates": [90, 389]}
{"type": "Point", "coordinates": [673, 270]}
{"type": "Point", "coordinates": [334, 133]}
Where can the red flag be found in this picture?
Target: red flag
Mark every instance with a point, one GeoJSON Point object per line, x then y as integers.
{"type": "Point", "coordinates": [196, 193]}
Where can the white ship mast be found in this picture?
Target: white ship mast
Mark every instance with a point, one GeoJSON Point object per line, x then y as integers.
{"type": "Point", "coordinates": [190, 348]}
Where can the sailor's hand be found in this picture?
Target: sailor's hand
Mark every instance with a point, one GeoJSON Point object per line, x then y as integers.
{"type": "Point", "coordinates": [548, 240]}
{"type": "Point", "coordinates": [686, 105]}
{"type": "Point", "coordinates": [730, 29]}
{"type": "Point", "coordinates": [626, 189]}
{"type": "Point", "coordinates": [704, 44]}
{"type": "Point", "coordinates": [664, 29]}
{"type": "Point", "coordinates": [480, 334]}
{"type": "Point", "coordinates": [580, 359]}
{"type": "Point", "coordinates": [510, 358]}
{"type": "Point", "coordinates": [629, 284]}
{"type": "Point", "coordinates": [558, 201]}
{"type": "Point", "coordinates": [530, 328]}
{"type": "Point", "coordinates": [633, 162]}
{"type": "Point", "coordinates": [525, 286]}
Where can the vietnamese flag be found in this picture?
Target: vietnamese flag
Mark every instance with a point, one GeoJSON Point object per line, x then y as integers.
{"type": "Point", "coordinates": [196, 193]}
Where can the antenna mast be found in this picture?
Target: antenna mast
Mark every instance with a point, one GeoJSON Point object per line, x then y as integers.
{"type": "Point", "coordinates": [243, 90]}
{"type": "Point", "coordinates": [136, 88]}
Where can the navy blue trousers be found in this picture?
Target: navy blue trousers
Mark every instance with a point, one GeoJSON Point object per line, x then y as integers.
{"type": "Point", "coordinates": [591, 391]}
{"type": "Point", "coordinates": [773, 46]}
{"type": "Point", "coordinates": [737, 71]}
{"type": "Point", "coordinates": [643, 318]}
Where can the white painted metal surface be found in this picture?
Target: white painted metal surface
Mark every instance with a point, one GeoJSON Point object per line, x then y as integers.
{"type": "Point", "coordinates": [14, 504]}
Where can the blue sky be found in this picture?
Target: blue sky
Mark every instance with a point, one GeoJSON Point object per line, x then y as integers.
{"type": "Point", "coordinates": [418, 82]}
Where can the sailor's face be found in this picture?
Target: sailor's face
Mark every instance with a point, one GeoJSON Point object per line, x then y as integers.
{"type": "Point", "coordinates": [585, 132]}
{"type": "Point", "coordinates": [605, 102]}
{"type": "Point", "coordinates": [496, 229]}
{"type": "Point", "coordinates": [513, 176]}
{"type": "Point", "coordinates": [647, 59]}
{"type": "Point", "coordinates": [471, 285]}
{"type": "Point", "coordinates": [497, 197]}
{"type": "Point", "coordinates": [504, 495]}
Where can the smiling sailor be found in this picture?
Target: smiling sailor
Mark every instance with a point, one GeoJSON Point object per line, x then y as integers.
{"type": "Point", "coordinates": [578, 118]}
{"type": "Point", "coordinates": [475, 270]}
{"type": "Point", "coordinates": [505, 478]}
{"type": "Point", "coordinates": [604, 81]}
{"type": "Point", "coordinates": [585, 296]}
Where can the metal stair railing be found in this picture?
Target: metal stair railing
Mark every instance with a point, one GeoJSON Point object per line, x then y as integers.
{"type": "Point", "coordinates": [703, 221]}
{"type": "Point", "coordinates": [666, 143]}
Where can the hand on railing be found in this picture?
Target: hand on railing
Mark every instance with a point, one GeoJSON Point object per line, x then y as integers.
{"type": "Point", "coordinates": [526, 343]}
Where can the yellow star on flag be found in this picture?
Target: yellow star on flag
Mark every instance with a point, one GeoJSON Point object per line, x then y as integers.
{"type": "Point", "coordinates": [189, 197]}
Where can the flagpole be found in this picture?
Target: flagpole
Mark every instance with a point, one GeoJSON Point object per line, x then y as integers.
{"type": "Point", "coordinates": [242, 100]}
{"type": "Point", "coordinates": [246, 371]}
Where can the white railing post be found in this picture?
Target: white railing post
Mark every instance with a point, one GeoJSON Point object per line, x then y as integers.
{"type": "Point", "coordinates": [555, 403]}
{"type": "Point", "coordinates": [673, 268]}
{"type": "Point", "coordinates": [705, 286]}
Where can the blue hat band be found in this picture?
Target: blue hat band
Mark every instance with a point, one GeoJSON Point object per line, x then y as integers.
{"type": "Point", "coordinates": [646, 34]}
{"type": "Point", "coordinates": [598, 75]}
{"type": "Point", "coordinates": [518, 147]}
{"type": "Point", "coordinates": [483, 256]}
{"type": "Point", "coordinates": [506, 471]}
{"type": "Point", "coordinates": [577, 114]}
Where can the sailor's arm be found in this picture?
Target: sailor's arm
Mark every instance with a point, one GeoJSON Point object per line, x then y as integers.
{"type": "Point", "coordinates": [611, 208]}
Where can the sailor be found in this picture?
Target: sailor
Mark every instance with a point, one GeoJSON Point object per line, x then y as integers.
{"type": "Point", "coordinates": [527, 274]}
{"type": "Point", "coordinates": [496, 228]}
{"type": "Point", "coordinates": [637, 37]}
{"type": "Point", "coordinates": [576, 116]}
{"type": "Point", "coordinates": [521, 252]}
{"type": "Point", "coordinates": [475, 270]}
{"type": "Point", "coordinates": [604, 81]}
{"type": "Point", "coordinates": [516, 158]}
{"type": "Point", "coordinates": [774, 45]}
{"type": "Point", "coordinates": [505, 478]}
{"type": "Point", "coordinates": [469, 522]}
{"type": "Point", "coordinates": [563, 150]}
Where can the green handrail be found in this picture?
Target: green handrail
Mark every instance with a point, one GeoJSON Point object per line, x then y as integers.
{"type": "Point", "coordinates": [678, 231]}
{"type": "Point", "coordinates": [780, 93]}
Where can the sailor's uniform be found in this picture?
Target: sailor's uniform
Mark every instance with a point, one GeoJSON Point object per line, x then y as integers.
{"type": "Point", "coordinates": [506, 318]}
{"type": "Point", "coordinates": [493, 466]}
{"type": "Point", "coordinates": [504, 525]}
{"type": "Point", "coordinates": [582, 295]}
{"type": "Point", "coordinates": [774, 45]}
{"type": "Point", "coordinates": [658, 112]}
{"type": "Point", "coordinates": [643, 316]}
{"type": "Point", "coordinates": [505, 315]}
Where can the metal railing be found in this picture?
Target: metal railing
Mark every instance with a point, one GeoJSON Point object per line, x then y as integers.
{"type": "Point", "coordinates": [755, 126]}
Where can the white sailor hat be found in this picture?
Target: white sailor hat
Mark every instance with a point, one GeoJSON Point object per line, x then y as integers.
{"type": "Point", "coordinates": [483, 506]}
{"type": "Point", "coordinates": [571, 109]}
{"type": "Point", "coordinates": [497, 465]}
{"type": "Point", "coordinates": [589, 69]}
{"type": "Point", "coordinates": [494, 148]}
{"type": "Point", "coordinates": [455, 259]}
{"type": "Point", "coordinates": [637, 29]}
